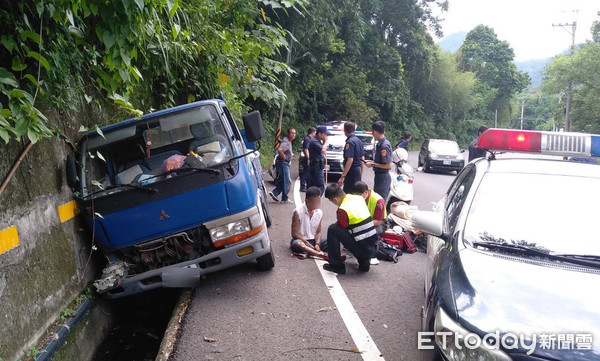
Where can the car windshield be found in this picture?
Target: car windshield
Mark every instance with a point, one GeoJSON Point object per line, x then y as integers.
{"type": "Point", "coordinates": [446, 147]}
{"type": "Point", "coordinates": [151, 151]}
{"type": "Point", "coordinates": [336, 139]}
{"type": "Point", "coordinates": [366, 139]}
{"type": "Point", "coordinates": [552, 213]}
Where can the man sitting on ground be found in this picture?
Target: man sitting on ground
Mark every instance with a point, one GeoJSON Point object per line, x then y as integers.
{"type": "Point", "coordinates": [306, 225]}
{"type": "Point", "coordinates": [354, 229]}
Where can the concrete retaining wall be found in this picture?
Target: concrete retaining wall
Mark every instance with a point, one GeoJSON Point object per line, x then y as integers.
{"type": "Point", "coordinates": [48, 267]}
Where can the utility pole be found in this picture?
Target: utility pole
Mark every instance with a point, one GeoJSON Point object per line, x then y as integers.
{"type": "Point", "coordinates": [573, 27]}
{"type": "Point", "coordinates": [288, 60]}
{"type": "Point", "coordinates": [522, 110]}
{"type": "Point", "coordinates": [496, 119]}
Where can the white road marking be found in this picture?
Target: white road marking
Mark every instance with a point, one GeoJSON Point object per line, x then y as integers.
{"type": "Point", "coordinates": [363, 341]}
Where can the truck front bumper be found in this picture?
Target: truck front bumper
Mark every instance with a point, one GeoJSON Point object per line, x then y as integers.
{"type": "Point", "coordinates": [187, 274]}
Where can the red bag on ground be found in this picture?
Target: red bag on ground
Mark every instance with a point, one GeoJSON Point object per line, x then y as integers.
{"type": "Point", "coordinates": [403, 241]}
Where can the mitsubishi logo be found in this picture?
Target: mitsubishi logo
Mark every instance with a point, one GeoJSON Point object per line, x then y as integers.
{"type": "Point", "coordinates": [163, 215]}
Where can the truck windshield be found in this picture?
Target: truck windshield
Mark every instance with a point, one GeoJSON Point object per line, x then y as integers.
{"type": "Point", "coordinates": [553, 213]}
{"type": "Point", "coordinates": [151, 151]}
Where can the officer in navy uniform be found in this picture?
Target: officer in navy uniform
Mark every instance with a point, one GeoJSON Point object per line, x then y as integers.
{"type": "Point", "coordinates": [353, 159]}
{"type": "Point", "coordinates": [382, 160]}
{"type": "Point", "coordinates": [316, 158]}
{"type": "Point", "coordinates": [305, 175]}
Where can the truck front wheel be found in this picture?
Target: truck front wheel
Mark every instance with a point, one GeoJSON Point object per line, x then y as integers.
{"type": "Point", "coordinates": [267, 261]}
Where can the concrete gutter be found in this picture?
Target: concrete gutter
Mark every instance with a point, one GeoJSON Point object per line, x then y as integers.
{"type": "Point", "coordinates": [172, 332]}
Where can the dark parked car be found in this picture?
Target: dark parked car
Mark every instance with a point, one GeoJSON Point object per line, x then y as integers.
{"type": "Point", "coordinates": [441, 154]}
{"type": "Point", "coordinates": [505, 280]}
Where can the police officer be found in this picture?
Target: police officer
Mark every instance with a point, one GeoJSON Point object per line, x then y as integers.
{"type": "Point", "coordinates": [382, 160]}
{"type": "Point", "coordinates": [353, 159]}
{"type": "Point", "coordinates": [354, 229]}
{"type": "Point", "coordinates": [305, 175]}
{"type": "Point", "coordinates": [476, 152]}
{"type": "Point", "coordinates": [316, 158]}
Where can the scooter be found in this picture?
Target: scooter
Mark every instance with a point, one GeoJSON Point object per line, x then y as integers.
{"type": "Point", "coordinates": [401, 188]}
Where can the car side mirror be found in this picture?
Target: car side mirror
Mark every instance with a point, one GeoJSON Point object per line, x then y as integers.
{"type": "Point", "coordinates": [71, 170]}
{"type": "Point", "coordinates": [253, 126]}
{"type": "Point", "coordinates": [429, 222]}
{"type": "Point", "coordinates": [462, 150]}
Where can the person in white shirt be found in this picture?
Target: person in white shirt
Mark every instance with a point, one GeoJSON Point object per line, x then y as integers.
{"type": "Point", "coordinates": [306, 226]}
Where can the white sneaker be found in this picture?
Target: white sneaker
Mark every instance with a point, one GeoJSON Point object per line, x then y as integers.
{"type": "Point", "coordinates": [374, 261]}
{"type": "Point", "coordinates": [273, 196]}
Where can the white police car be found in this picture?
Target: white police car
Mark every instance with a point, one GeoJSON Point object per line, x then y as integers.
{"type": "Point", "coordinates": [514, 249]}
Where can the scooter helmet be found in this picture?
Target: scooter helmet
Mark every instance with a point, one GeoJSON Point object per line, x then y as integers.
{"type": "Point", "coordinates": [399, 155]}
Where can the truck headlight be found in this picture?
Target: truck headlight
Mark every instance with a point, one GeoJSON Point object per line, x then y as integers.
{"type": "Point", "coordinates": [433, 156]}
{"type": "Point", "coordinates": [451, 338]}
{"type": "Point", "coordinates": [460, 157]}
{"type": "Point", "coordinates": [236, 231]}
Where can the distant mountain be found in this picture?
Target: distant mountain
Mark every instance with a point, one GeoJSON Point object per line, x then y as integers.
{"type": "Point", "coordinates": [452, 42]}
{"type": "Point", "coordinates": [535, 69]}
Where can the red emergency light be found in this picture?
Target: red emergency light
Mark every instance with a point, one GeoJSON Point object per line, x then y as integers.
{"type": "Point", "coordinates": [511, 140]}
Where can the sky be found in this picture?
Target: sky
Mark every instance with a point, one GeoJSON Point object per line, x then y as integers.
{"type": "Point", "coordinates": [525, 24]}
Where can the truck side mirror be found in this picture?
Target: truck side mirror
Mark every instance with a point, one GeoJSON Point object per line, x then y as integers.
{"type": "Point", "coordinates": [253, 126]}
{"type": "Point", "coordinates": [71, 170]}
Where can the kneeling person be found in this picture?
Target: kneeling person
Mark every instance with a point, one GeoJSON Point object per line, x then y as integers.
{"type": "Point", "coordinates": [306, 225]}
{"type": "Point", "coordinates": [374, 202]}
{"type": "Point", "coordinates": [354, 229]}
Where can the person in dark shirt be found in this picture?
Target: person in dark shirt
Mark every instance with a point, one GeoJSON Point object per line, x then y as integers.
{"type": "Point", "coordinates": [353, 159]}
{"type": "Point", "coordinates": [305, 175]}
{"type": "Point", "coordinates": [382, 160]}
{"type": "Point", "coordinates": [476, 152]}
{"type": "Point", "coordinates": [316, 157]}
{"type": "Point", "coordinates": [403, 143]}
{"type": "Point", "coordinates": [284, 159]}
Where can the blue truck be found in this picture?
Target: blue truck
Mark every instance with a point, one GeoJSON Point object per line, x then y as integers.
{"type": "Point", "coordinates": [172, 195]}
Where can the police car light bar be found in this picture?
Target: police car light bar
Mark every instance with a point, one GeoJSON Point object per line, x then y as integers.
{"type": "Point", "coordinates": [551, 143]}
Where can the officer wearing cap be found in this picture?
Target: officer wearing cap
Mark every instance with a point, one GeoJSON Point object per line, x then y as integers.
{"type": "Point", "coordinates": [316, 158]}
{"type": "Point", "coordinates": [353, 158]}
{"type": "Point", "coordinates": [382, 160]}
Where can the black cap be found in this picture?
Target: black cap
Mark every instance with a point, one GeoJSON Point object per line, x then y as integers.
{"type": "Point", "coordinates": [322, 129]}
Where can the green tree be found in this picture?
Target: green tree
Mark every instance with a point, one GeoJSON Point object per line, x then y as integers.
{"type": "Point", "coordinates": [138, 54]}
{"type": "Point", "coordinates": [581, 70]}
{"type": "Point", "coordinates": [596, 30]}
{"type": "Point", "coordinates": [448, 96]}
{"type": "Point", "coordinates": [492, 61]}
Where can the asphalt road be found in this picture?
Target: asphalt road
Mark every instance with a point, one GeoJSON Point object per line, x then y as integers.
{"type": "Point", "coordinates": [288, 313]}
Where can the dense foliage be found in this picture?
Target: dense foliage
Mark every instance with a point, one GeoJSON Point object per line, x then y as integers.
{"type": "Point", "coordinates": [357, 60]}
{"type": "Point", "coordinates": [138, 54]}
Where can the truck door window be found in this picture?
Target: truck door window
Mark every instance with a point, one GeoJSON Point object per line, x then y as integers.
{"type": "Point", "coordinates": [232, 124]}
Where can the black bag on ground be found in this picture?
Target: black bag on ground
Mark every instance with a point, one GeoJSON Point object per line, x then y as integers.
{"type": "Point", "coordinates": [387, 252]}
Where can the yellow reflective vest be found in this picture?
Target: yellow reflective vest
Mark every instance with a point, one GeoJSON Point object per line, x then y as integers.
{"type": "Point", "coordinates": [372, 203]}
{"type": "Point", "coordinates": [360, 223]}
